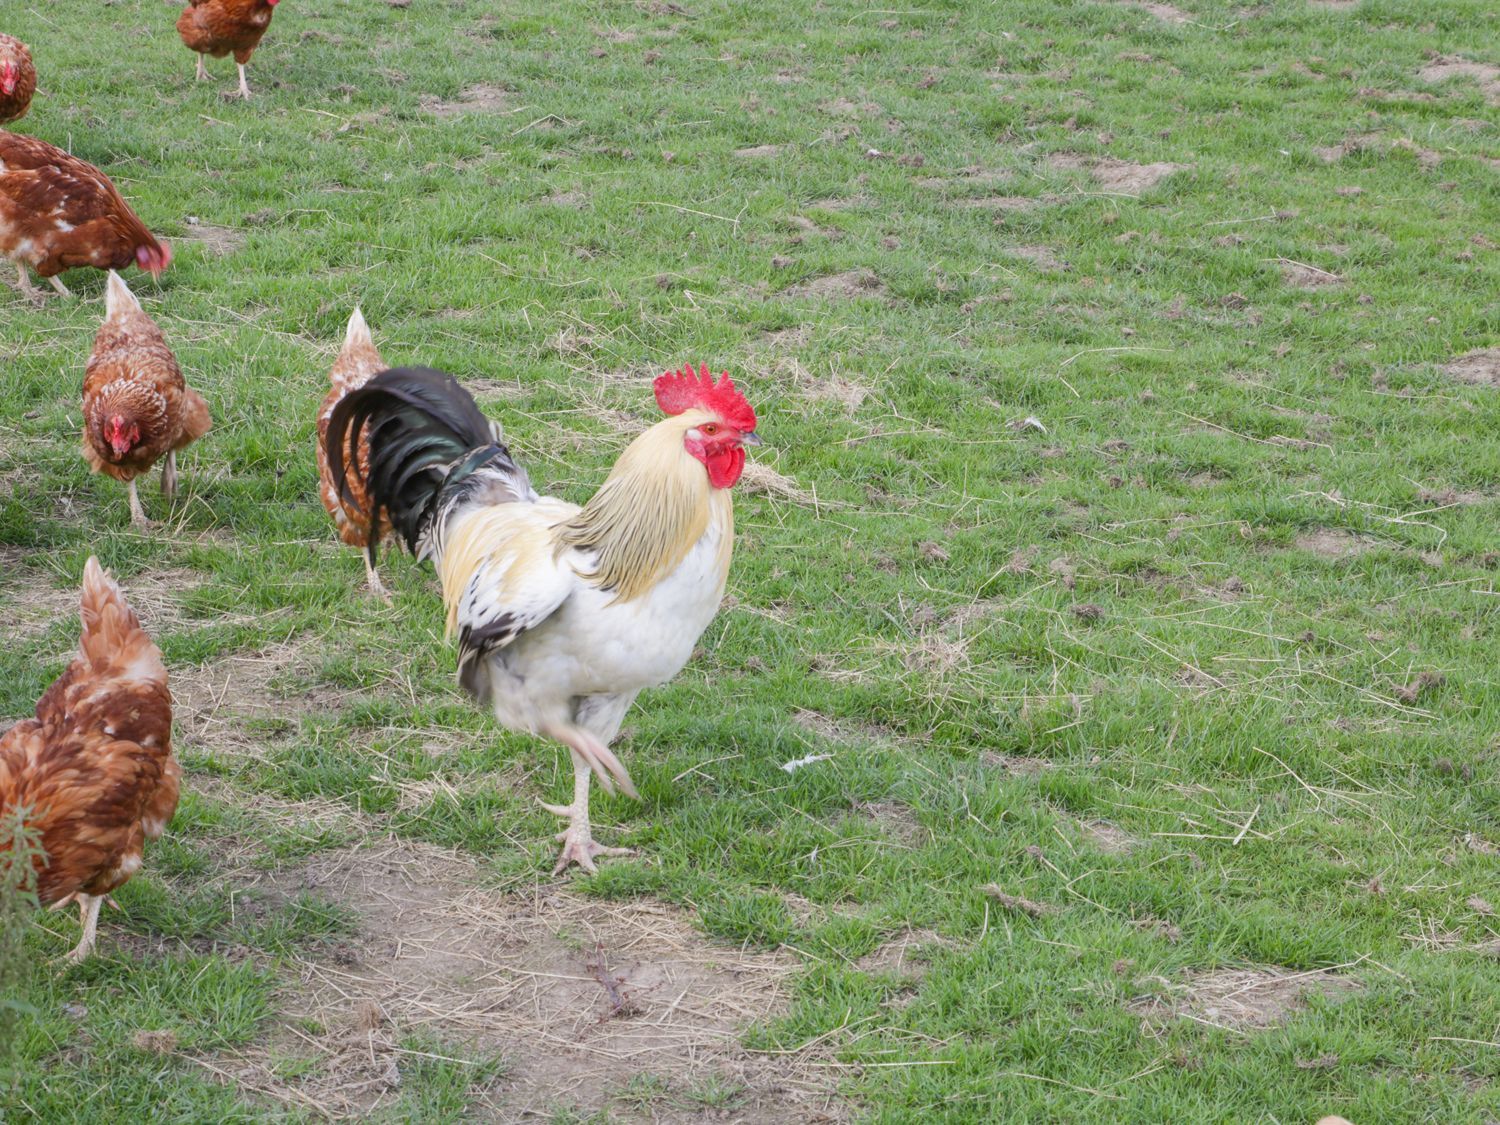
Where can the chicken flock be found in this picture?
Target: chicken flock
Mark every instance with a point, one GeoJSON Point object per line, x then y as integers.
{"type": "Point", "coordinates": [562, 613]}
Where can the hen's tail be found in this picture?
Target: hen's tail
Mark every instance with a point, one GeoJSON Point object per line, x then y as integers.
{"type": "Point", "coordinates": [113, 640]}
{"type": "Point", "coordinates": [431, 450]}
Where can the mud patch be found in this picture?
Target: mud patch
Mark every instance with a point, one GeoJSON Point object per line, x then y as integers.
{"type": "Point", "coordinates": [476, 99]}
{"type": "Point", "coordinates": [1482, 368]}
{"type": "Point", "coordinates": [577, 995]}
{"type": "Point", "coordinates": [1447, 67]}
{"type": "Point", "coordinates": [1332, 543]}
{"type": "Point", "coordinates": [1243, 999]}
{"type": "Point", "coordinates": [1116, 175]}
{"type": "Point", "coordinates": [848, 286]}
{"type": "Point", "coordinates": [218, 241]}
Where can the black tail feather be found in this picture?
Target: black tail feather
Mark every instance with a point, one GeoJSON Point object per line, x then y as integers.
{"type": "Point", "coordinates": [419, 422]}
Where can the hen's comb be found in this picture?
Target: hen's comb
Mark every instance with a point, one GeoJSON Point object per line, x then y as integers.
{"type": "Point", "coordinates": [677, 391]}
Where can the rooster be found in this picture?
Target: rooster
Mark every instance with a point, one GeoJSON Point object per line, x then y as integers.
{"type": "Point", "coordinates": [94, 770]}
{"type": "Point", "coordinates": [563, 614]}
{"type": "Point", "coordinates": [17, 79]}
{"type": "Point", "coordinates": [58, 212]}
{"type": "Point", "coordinates": [357, 362]}
{"type": "Point", "coordinates": [217, 27]}
{"type": "Point", "coordinates": [136, 406]}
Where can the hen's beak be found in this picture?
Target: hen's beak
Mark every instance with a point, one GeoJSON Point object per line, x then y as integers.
{"type": "Point", "coordinates": [750, 439]}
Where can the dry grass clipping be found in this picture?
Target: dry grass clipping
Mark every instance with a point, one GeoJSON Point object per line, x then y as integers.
{"type": "Point", "coordinates": [1243, 999]}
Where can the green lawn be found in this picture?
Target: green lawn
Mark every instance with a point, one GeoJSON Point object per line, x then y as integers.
{"type": "Point", "coordinates": [1124, 534]}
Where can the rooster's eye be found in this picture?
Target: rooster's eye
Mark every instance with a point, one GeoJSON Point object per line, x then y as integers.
{"type": "Point", "coordinates": [711, 429]}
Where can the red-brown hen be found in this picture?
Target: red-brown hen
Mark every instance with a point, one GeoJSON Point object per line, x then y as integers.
{"type": "Point", "coordinates": [94, 770]}
{"type": "Point", "coordinates": [17, 79]}
{"type": "Point", "coordinates": [217, 27]}
{"type": "Point", "coordinates": [58, 212]}
{"type": "Point", "coordinates": [137, 408]}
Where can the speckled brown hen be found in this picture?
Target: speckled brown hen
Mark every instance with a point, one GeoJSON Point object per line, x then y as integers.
{"type": "Point", "coordinates": [136, 407]}
{"type": "Point", "coordinates": [217, 27]}
{"type": "Point", "coordinates": [95, 768]}
{"type": "Point", "coordinates": [357, 363]}
{"type": "Point", "coordinates": [58, 212]}
{"type": "Point", "coordinates": [17, 79]}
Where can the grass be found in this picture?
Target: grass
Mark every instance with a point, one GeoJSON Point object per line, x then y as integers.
{"type": "Point", "coordinates": [1233, 594]}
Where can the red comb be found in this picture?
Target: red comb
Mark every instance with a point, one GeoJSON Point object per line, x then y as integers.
{"type": "Point", "coordinates": [677, 391]}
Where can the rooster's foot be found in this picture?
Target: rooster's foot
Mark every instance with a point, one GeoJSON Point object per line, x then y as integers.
{"type": "Point", "coordinates": [374, 584]}
{"type": "Point", "coordinates": [578, 847]}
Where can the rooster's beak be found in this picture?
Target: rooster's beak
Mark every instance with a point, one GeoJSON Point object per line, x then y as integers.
{"type": "Point", "coordinates": [750, 439]}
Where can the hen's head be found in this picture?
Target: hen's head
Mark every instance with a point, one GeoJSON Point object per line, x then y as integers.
{"type": "Point", "coordinates": [10, 74]}
{"type": "Point", "coordinates": [153, 257]}
{"type": "Point", "coordinates": [122, 436]}
{"type": "Point", "coordinates": [722, 422]}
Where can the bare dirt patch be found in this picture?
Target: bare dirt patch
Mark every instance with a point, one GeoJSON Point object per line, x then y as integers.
{"type": "Point", "coordinates": [1335, 5]}
{"type": "Point", "coordinates": [577, 995]}
{"type": "Point", "coordinates": [576, 200]}
{"type": "Point", "coordinates": [1451, 66]}
{"type": "Point", "coordinates": [1332, 543]}
{"type": "Point", "coordinates": [1303, 276]}
{"type": "Point", "coordinates": [756, 152]}
{"type": "Point", "coordinates": [1114, 175]}
{"type": "Point", "coordinates": [33, 604]}
{"type": "Point", "coordinates": [996, 202]}
{"type": "Point", "coordinates": [279, 682]}
{"type": "Point", "coordinates": [1481, 368]}
{"type": "Point", "coordinates": [905, 955]}
{"type": "Point", "coordinates": [832, 387]}
{"type": "Point", "coordinates": [1044, 257]}
{"type": "Point", "coordinates": [896, 820]}
{"type": "Point", "coordinates": [1014, 764]}
{"type": "Point", "coordinates": [1427, 158]}
{"type": "Point", "coordinates": [762, 479]}
{"type": "Point", "coordinates": [1107, 838]}
{"type": "Point", "coordinates": [218, 241]}
{"type": "Point", "coordinates": [476, 99]}
{"type": "Point", "coordinates": [847, 286]}
{"type": "Point", "coordinates": [1164, 12]}
{"type": "Point", "coordinates": [847, 731]}
{"type": "Point", "coordinates": [1243, 999]}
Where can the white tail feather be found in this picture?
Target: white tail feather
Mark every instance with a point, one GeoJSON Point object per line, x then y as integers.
{"type": "Point", "coordinates": [117, 296]}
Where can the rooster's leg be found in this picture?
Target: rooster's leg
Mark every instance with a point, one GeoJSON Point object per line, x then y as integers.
{"type": "Point", "coordinates": [578, 838]}
{"type": "Point", "coordinates": [244, 86]}
{"type": "Point", "coordinates": [59, 286]}
{"type": "Point", "coordinates": [88, 914]}
{"type": "Point", "coordinates": [137, 513]}
{"type": "Point", "coordinates": [169, 476]}
{"type": "Point", "coordinates": [372, 579]}
{"type": "Point", "coordinates": [202, 75]}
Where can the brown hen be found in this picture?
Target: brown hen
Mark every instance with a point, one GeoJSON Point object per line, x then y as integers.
{"type": "Point", "coordinates": [58, 212]}
{"type": "Point", "coordinates": [17, 79]}
{"type": "Point", "coordinates": [94, 770]}
{"type": "Point", "coordinates": [136, 406]}
{"type": "Point", "coordinates": [217, 27]}
{"type": "Point", "coordinates": [357, 363]}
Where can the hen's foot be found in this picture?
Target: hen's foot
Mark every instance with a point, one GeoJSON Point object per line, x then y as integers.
{"type": "Point", "coordinates": [57, 284]}
{"type": "Point", "coordinates": [577, 840]}
{"type": "Point", "coordinates": [375, 585]}
{"type": "Point", "coordinates": [244, 86]}
{"type": "Point", "coordinates": [202, 75]}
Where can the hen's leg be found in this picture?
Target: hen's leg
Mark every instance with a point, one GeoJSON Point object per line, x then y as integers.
{"type": "Point", "coordinates": [169, 476]}
{"type": "Point", "coordinates": [578, 838]}
{"type": "Point", "coordinates": [88, 914]}
{"type": "Point", "coordinates": [372, 579]}
{"type": "Point", "coordinates": [202, 75]}
{"type": "Point", "coordinates": [244, 86]}
{"type": "Point", "coordinates": [59, 286]}
{"type": "Point", "coordinates": [137, 513]}
{"type": "Point", "coordinates": [28, 290]}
